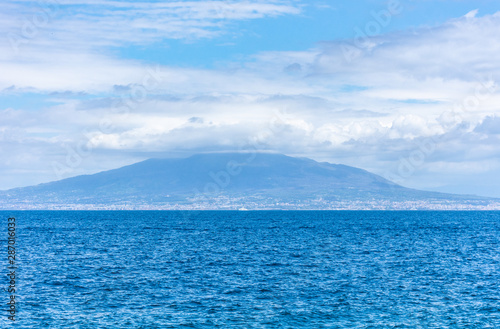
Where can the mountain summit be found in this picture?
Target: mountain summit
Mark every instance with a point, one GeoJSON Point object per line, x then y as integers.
{"type": "Point", "coordinates": [231, 181]}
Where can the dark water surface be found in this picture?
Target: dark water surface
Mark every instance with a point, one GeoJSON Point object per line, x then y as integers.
{"type": "Point", "coordinates": [264, 269]}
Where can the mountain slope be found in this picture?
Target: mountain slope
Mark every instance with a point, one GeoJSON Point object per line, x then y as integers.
{"type": "Point", "coordinates": [222, 180]}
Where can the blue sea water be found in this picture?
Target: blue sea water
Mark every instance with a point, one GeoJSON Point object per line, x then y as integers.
{"type": "Point", "coordinates": [255, 269]}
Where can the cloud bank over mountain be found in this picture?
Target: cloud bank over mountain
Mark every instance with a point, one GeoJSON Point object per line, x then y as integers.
{"type": "Point", "coordinates": [410, 105]}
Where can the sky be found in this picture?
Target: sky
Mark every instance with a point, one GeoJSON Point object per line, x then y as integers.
{"type": "Point", "coordinates": [407, 89]}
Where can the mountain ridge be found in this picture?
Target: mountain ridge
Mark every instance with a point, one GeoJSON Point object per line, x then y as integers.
{"type": "Point", "coordinates": [231, 180]}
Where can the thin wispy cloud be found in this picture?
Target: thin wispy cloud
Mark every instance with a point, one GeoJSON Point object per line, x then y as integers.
{"type": "Point", "coordinates": [94, 24]}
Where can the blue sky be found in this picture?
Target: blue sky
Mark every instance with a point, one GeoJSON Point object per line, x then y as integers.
{"type": "Point", "coordinates": [317, 22]}
{"type": "Point", "coordinates": [405, 89]}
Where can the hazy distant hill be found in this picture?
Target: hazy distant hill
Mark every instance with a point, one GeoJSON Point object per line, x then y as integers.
{"type": "Point", "coordinates": [231, 181]}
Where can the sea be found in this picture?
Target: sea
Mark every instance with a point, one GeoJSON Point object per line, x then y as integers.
{"type": "Point", "coordinates": [253, 269]}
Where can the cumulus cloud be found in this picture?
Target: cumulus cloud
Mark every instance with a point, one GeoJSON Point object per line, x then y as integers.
{"type": "Point", "coordinates": [490, 126]}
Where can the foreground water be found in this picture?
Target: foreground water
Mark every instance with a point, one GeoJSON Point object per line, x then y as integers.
{"type": "Point", "coordinates": [266, 269]}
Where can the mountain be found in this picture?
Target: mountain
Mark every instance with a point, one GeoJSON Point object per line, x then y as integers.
{"type": "Point", "coordinates": [233, 181]}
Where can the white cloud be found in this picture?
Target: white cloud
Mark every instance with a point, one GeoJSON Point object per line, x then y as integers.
{"type": "Point", "coordinates": [472, 13]}
{"type": "Point", "coordinates": [369, 111]}
{"type": "Point", "coordinates": [90, 24]}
